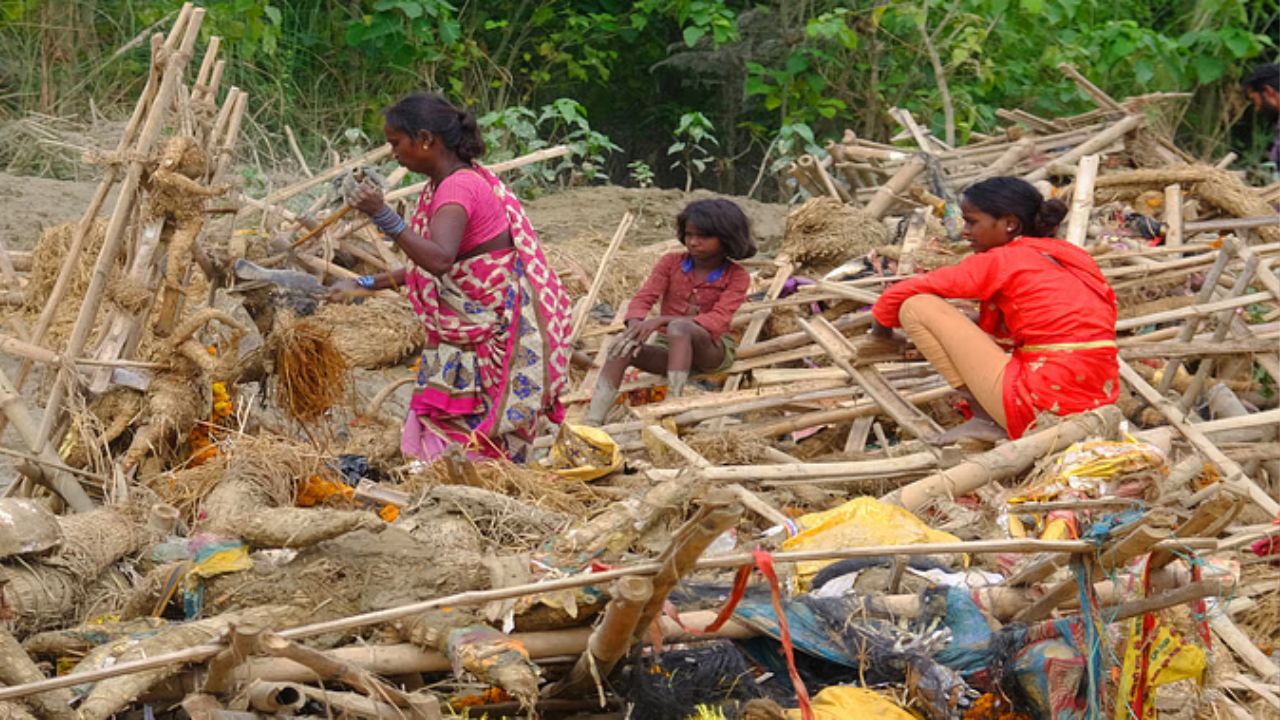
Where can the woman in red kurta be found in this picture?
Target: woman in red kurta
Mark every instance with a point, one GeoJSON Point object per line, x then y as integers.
{"type": "Point", "coordinates": [1045, 334]}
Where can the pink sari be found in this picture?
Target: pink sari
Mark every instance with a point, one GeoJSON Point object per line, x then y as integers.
{"type": "Point", "coordinates": [497, 353]}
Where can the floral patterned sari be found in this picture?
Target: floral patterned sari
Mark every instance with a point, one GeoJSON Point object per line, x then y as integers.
{"type": "Point", "coordinates": [497, 352]}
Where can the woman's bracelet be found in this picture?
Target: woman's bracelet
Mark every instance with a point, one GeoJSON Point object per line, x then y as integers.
{"type": "Point", "coordinates": [366, 281]}
{"type": "Point", "coordinates": [388, 221]}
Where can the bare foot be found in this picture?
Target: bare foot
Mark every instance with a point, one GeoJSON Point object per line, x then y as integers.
{"type": "Point", "coordinates": [978, 428]}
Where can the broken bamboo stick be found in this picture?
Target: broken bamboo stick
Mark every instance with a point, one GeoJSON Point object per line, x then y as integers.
{"type": "Point", "coordinates": [611, 640]}
{"type": "Point", "coordinates": [1082, 200]}
{"type": "Point", "coordinates": [1007, 459]}
{"type": "Point", "coordinates": [1233, 476]}
{"type": "Point", "coordinates": [1095, 144]}
{"type": "Point", "coordinates": [202, 652]}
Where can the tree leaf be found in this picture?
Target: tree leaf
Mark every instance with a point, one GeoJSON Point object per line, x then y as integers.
{"type": "Point", "coordinates": [693, 34]}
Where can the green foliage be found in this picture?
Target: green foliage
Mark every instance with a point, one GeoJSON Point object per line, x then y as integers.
{"type": "Point", "coordinates": [693, 134]}
{"type": "Point", "coordinates": [776, 77]}
{"type": "Point", "coordinates": [641, 174]}
{"type": "Point", "coordinates": [518, 130]}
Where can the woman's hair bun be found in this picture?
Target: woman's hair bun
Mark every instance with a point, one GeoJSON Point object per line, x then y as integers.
{"type": "Point", "coordinates": [1049, 216]}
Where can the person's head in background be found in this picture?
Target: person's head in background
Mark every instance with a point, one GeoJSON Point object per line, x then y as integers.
{"type": "Point", "coordinates": [1262, 87]}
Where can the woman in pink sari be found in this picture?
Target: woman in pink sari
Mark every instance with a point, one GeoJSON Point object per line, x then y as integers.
{"type": "Point", "coordinates": [497, 317]}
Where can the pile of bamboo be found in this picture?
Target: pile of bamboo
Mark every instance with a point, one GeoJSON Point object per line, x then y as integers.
{"type": "Point", "coordinates": [385, 599]}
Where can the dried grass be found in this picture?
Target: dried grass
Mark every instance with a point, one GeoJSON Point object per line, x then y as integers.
{"type": "Point", "coordinates": [729, 448]}
{"type": "Point", "coordinates": [536, 487]}
{"type": "Point", "coordinates": [824, 232]}
{"type": "Point", "coordinates": [577, 260]}
{"type": "Point", "coordinates": [186, 488]}
{"type": "Point", "coordinates": [311, 374]}
{"type": "Point", "coordinates": [1262, 622]}
{"type": "Point", "coordinates": [46, 263]}
{"type": "Point", "coordinates": [373, 334]}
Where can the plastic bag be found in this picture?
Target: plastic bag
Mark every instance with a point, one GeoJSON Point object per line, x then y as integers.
{"type": "Point", "coordinates": [843, 703]}
{"type": "Point", "coordinates": [583, 453]}
{"type": "Point", "coordinates": [861, 522]}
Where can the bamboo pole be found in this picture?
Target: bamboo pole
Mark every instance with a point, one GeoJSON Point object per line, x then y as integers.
{"type": "Point", "coordinates": [1082, 200]}
{"type": "Point", "coordinates": [1137, 543]}
{"type": "Point", "coordinates": [1002, 602]}
{"type": "Point", "coordinates": [1193, 310]}
{"type": "Point", "coordinates": [1234, 637]}
{"type": "Point", "coordinates": [242, 643]}
{"type": "Point", "coordinates": [13, 408]}
{"type": "Point", "coordinates": [120, 218]}
{"type": "Point", "coordinates": [774, 428]}
{"type": "Point", "coordinates": [841, 352]}
{"type": "Point", "coordinates": [497, 168]}
{"type": "Point", "coordinates": [758, 319]}
{"type": "Point", "coordinates": [373, 156]}
{"type": "Point", "coordinates": [610, 641]}
{"type": "Point", "coordinates": [1103, 100]}
{"type": "Point", "coordinates": [1009, 159]}
{"type": "Point", "coordinates": [275, 697]}
{"type": "Point", "coordinates": [597, 282]}
{"type": "Point", "coordinates": [1233, 476]}
{"type": "Point", "coordinates": [297, 152]}
{"type": "Point", "coordinates": [326, 668]}
{"type": "Point", "coordinates": [887, 193]}
{"type": "Point", "coordinates": [1220, 332]}
{"type": "Point", "coordinates": [1174, 236]}
{"type": "Point", "coordinates": [1007, 459]}
{"type": "Point", "coordinates": [681, 556]}
{"type": "Point", "coordinates": [810, 165]}
{"type": "Point", "coordinates": [1095, 144]}
{"type": "Point", "coordinates": [1189, 327]}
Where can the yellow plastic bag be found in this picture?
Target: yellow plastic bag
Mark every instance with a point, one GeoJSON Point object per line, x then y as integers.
{"type": "Point", "coordinates": [843, 703]}
{"type": "Point", "coordinates": [861, 522]}
{"type": "Point", "coordinates": [583, 453]}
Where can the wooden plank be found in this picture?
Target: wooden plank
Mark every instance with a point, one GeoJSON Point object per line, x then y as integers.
{"type": "Point", "coordinates": [1173, 218]}
{"type": "Point", "coordinates": [913, 240]}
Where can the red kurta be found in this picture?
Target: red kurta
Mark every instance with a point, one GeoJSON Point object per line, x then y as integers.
{"type": "Point", "coordinates": [1044, 298]}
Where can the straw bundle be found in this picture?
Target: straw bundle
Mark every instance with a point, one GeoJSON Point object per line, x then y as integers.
{"type": "Point", "coordinates": [824, 232]}
{"type": "Point", "coordinates": [376, 333]}
{"type": "Point", "coordinates": [311, 374]}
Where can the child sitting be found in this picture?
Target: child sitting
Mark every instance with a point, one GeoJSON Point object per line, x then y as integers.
{"type": "Point", "coordinates": [700, 290]}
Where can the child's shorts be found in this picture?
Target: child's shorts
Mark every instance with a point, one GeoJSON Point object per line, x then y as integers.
{"type": "Point", "coordinates": [729, 342]}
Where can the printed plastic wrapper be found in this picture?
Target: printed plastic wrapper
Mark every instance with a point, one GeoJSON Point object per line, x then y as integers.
{"type": "Point", "coordinates": [861, 522]}
{"type": "Point", "coordinates": [583, 453]}
{"type": "Point", "coordinates": [1171, 659]}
